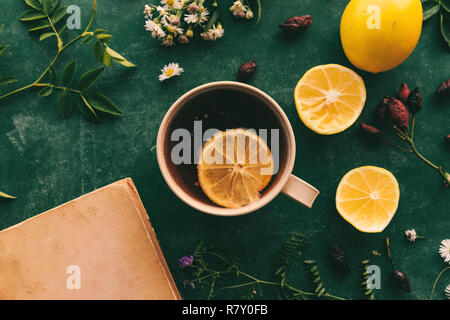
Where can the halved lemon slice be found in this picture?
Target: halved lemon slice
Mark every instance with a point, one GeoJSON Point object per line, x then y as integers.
{"type": "Point", "coordinates": [367, 197]}
{"type": "Point", "coordinates": [330, 98]}
{"type": "Point", "coordinates": [235, 166]}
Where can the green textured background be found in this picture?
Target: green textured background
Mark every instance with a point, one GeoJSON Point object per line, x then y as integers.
{"type": "Point", "coordinates": [46, 160]}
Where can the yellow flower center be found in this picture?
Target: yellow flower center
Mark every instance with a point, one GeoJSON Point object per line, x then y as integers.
{"type": "Point", "coordinates": [170, 2]}
{"type": "Point", "coordinates": [170, 72]}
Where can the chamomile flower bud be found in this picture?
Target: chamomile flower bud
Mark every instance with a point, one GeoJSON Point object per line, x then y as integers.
{"type": "Point", "coordinates": [189, 33]}
{"type": "Point", "coordinates": [249, 15]}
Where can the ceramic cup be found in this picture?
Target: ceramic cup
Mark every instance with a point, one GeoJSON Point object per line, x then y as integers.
{"type": "Point", "coordinates": [228, 105]}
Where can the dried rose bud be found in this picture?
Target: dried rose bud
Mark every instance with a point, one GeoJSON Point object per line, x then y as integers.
{"type": "Point", "coordinates": [403, 93]}
{"type": "Point", "coordinates": [339, 258]}
{"type": "Point", "coordinates": [372, 132]}
{"type": "Point", "coordinates": [296, 24]}
{"type": "Point", "coordinates": [447, 138]}
{"type": "Point", "coordinates": [246, 71]}
{"type": "Point", "coordinates": [444, 88]}
{"type": "Point", "coordinates": [398, 113]}
{"type": "Point", "coordinates": [401, 280]}
{"type": "Point", "coordinates": [382, 110]}
{"type": "Point", "coordinates": [414, 101]}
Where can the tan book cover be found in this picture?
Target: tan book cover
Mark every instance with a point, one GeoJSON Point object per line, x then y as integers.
{"type": "Point", "coordinates": [99, 246]}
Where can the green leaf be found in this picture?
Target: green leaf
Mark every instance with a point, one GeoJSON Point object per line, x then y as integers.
{"type": "Point", "coordinates": [99, 31]}
{"type": "Point", "coordinates": [445, 27]}
{"type": "Point", "coordinates": [45, 92]}
{"type": "Point", "coordinates": [31, 14]}
{"type": "Point", "coordinates": [7, 80]}
{"type": "Point", "coordinates": [46, 35]}
{"type": "Point", "coordinates": [68, 72]}
{"type": "Point", "coordinates": [6, 196]}
{"type": "Point", "coordinates": [98, 51]}
{"type": "Point", "coordinates": [213, 19]}
{"type": "Point", "coordinates": [35, 4]}
{"type": "Point", "coordinates": [107, 60]}
{"type": "Point", "coordinates": [430, 8]}
{"type": "Point", "coordinates": [50, 6]}
{"type": "Point", "coordinates": [2, 49]}
{"type": "Point", "coordinates": [101, 103]}
{"type": "Point", "coordinates": [86, 110]}
{"type": "Point", "coordinates": [89, 78]}
{"type": "Point", "coordinates": [321, 292]}
{"type": "Point", "coordinates": [59, 14]}
{"type": "Point", "coordinates": [104, 37]}
{"type": "Point", "coordinates": [65, 104]}
{"type": "Point", "coordinates": [445, 4]}
{"type": "Point", "coordinates": [119, 58]}
{"type": "Point", "coordinates": [40, 25]}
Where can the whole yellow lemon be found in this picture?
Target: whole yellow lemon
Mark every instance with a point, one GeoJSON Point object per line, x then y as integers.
{"type": "Point", "coordinates": [378, 35]}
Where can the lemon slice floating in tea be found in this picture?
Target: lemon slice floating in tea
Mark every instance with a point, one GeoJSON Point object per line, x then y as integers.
{"type": "Point", "coordinates": [235, 166]}
{"type": "Point", "coordinates": [367, 198]}
{"type": "Point", "coordinates": [330, 98]}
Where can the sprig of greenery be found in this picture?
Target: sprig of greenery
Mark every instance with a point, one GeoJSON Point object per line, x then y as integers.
{"type": "Point", "coordinates": [365, 276]}
{"type": "Point", "coordinates": [432, 7]}
{"type": "Point", "coordinates": [317, 281]}
{"type": "Point", "coordinates": [46, 16]}
{"type": "Point", "coordinates": [213, 264]}
{"type": "Point", "coordinates": [3, 81]}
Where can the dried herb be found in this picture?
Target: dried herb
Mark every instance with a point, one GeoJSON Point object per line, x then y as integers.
{"type": "Point", "coordinates": [398, 276]}
{"type": "Point", "coordinates": [444, 88]}
{"type": "Point", "coordinates": [47, 17]}
{"type": "Point", "coordinates": [371, 132]}
{"type": "Point", "coordinates": [246, 71]}
{"type": "Point", "coordinates": [403, 93]}
{"type": "Point", "coordinates": [339, 258]}
{"type": "Point", "coordinates": [415, 101]}
{"type": "Point", "coordinates": [296, 24]}
{"type": "Point", "coordinates": [398, 113]}
{"type": "Point", "coordinates": [212, 265]}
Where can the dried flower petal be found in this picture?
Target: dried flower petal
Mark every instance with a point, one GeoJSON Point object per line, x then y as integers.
{"type": "Point", "coordinates": [398, 113]}
{"type": "Point", "coordinates": [339, 258]}
{"type": "Point", "coordinates": [246, 71]}
{"type": "Point", "coordinates": [401, 280]}
{"type": "Point", "coordinates": [403, 93]}
{"type": "Point", "coordinates": [371, 131]}
{"type": "Point", "coordinates": [415, 101]}
{"type": "Point", "coordinates": [444, 88]}
{"type": "Point", "coordinates": [296, 24]}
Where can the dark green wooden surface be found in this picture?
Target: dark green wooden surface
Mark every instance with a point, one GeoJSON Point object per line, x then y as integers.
{"type": "Point", "coordinates": [46, 160]}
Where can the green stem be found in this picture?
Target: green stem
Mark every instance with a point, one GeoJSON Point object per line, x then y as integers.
{"type": "Point", "coordinates": [57, 87]}
{"type": "Point", "coordinates": [437, 279]}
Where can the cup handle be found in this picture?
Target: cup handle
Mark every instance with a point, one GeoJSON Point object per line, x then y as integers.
{"type": "Point", "coordinates": [300, 191]}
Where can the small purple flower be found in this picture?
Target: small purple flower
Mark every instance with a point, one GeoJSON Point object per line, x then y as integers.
{"type": "Point", "coordinates": [185, 261]}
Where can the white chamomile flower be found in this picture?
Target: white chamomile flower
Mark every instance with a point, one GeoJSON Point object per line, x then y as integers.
{"type": "Point", "coordinates": [447, 291]}
{"type": "Point", "coordinates": [157, 31]}
{"type": "Point", "coordinates": [191, 18]}
{"type": "Point", "coordinates": [444, 250]}
{"type": "Point", "coordinates": [147, 11]}
{"type": "Point", "coordinates": [203, 16]}
{"type": "Point", "coordinates": [216, 32]}
{"type": "Point", "coordinates": [168, 41]}
{"type": "Point", "coordinates": [171, 28]}
{"type": "Point", "coordinates": [205, 35]}
{"type": "Point", "coordinates": [238, 6]}
{"type": "Point", "coordinates": [169, 71]}
{"type": "Point", "coordinates": [162, 11]}
{"type": "Point", "coordinates": [411, 235]}
{"type": "Point", "coordinates": [172, 4]}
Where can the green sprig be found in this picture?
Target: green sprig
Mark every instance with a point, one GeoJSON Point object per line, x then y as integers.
{"type": "Point", "coordinates": [432, 7]}
{"type": "Point", "coordinates": [45, 16]}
